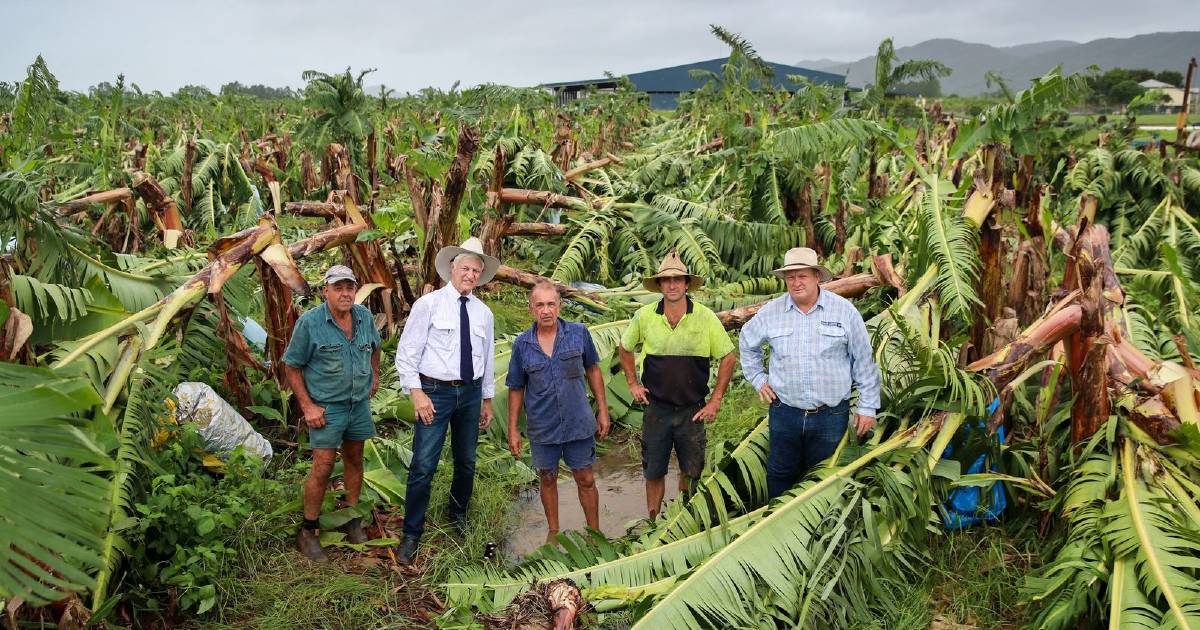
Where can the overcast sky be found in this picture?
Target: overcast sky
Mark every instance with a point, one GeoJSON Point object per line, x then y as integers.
{"type": "Point", "coordinates": [164, 44]}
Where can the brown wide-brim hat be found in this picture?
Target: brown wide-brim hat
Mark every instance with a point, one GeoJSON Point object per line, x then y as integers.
{"type": "Point", "coordinates": [803, 258]}
{"type": "Point", "coordinates": [672, 267]}
{"type": "Point", "coordinates": [447, 254]}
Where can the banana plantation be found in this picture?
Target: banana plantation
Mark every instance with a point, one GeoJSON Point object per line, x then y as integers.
{"type": "Point", "coordinates": [1030, 286]}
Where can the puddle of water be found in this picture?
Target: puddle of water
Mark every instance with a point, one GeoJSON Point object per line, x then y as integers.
{"type": "Point", "coordinates": [622, 499]}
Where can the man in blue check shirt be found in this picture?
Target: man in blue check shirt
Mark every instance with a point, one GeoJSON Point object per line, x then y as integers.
{"type": "Point", "coordinates": [819, 349]}
{"type": "Point", "coordinates": [545, 374]}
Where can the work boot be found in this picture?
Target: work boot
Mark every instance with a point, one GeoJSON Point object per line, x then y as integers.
{"type": "Point", "coordinates": [354, 531]}
{"type": "Point", "coordinates": [406, 551]}
{"type": "Point", "coordinates": [458, 524]}
{"type": "Point", "coordinates": [310, 545]}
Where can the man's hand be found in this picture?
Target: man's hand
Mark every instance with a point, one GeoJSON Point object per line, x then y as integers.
{"type": "Point", "coordinates": [708, 412]}
{"type": "Point", "coordinates": [862, 424]}
{"type": "Point", "coordinates": [375, 387]}
{"type": "Point", "coordinates": [485, 414]}
{"type": "Point", "coordinates": [422, 406]}
{"type": "Point", "coordinates": [640, 393]}
{"type": "Point", "coordinates": [603, 424]}
{"type": "Point", "coordinates": [766, 394]}
{"type": "Point", "coordinates": [514, 443]}
{"type": "Point", "coordinates": [314, 416]}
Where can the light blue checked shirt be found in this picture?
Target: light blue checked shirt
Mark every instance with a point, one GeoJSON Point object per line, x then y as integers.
{"type": "Point", "coordinates": [815, 357]}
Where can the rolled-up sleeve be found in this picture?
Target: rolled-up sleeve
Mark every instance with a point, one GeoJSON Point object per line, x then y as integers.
{"type": "Point", "coordinates": [863, 370]}
{"type": "Point", "coordinates": [750, 351]}
{"type": "Point", "coordinates": [412, 345]}
{"type": "Point", "coordinates": [489, 359]}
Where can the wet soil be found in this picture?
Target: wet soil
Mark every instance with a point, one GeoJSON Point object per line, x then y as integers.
{"type": "Point", "coordinates": [622, 501]}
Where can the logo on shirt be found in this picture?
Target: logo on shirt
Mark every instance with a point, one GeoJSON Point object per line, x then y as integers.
{"type": "Point", "coordinates": [838, 324]}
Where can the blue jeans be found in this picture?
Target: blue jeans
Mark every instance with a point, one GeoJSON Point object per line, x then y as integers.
{"type": "Point", "coordinates": [456, 408]}
{"type": "Point", "coordinates": [800, 441]}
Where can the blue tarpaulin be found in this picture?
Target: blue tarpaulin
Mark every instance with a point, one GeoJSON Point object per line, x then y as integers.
{"type": "Point", "coordinates": [962, 508]}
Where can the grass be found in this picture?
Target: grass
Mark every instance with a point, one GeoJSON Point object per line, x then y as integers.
{"type": "Point", "coordinates": [971, 579]}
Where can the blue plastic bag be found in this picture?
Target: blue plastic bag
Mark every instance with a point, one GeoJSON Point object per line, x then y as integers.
{"type": "Point", "coordinates": [962, 508]}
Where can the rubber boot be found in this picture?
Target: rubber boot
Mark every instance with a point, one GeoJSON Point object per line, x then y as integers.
{"type": "Point", "coordinates": [310, 545]}
{"type": "Point", "coordinates": [354, 531]}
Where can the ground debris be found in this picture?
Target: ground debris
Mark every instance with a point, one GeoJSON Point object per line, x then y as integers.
{"type": "Point", "coordinates": [553, 605]}
{"type": "Point", "coordinates": [943, 623]}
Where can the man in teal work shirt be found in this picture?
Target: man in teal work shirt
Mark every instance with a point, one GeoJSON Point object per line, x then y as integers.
{"type": "Point", "coordinates": [332, 366]}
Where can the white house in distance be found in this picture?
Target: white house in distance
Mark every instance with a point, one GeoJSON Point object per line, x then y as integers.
{"type": "Point", "coordinates": [1174, 95]}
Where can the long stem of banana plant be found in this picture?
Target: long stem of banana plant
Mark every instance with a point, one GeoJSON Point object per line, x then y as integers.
{"type": "Point", "coordinates": [94, 339]}
{"type": "Point", "coordinates": [120, 376]}
{"type": "Point", "coordinates": [164, 310]}
{"type": "Point", "coordinates": [616, 598]}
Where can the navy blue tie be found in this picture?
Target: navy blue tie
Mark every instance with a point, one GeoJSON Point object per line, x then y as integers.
{"type": "Point", "coordinates": [466, 371]}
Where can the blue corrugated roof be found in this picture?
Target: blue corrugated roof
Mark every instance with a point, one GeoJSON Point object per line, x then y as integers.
{"type": "Point", "coordinates": [679, 79]}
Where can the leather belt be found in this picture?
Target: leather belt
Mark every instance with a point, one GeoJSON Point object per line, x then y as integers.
{"type": "Point", "coordinates": [438, 381]}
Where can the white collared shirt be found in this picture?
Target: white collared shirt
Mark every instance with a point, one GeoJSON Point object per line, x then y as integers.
{"type": "Point", "coordinates": [430, 344]}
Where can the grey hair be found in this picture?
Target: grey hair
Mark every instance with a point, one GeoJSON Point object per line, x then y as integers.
{"type": "Point", "coordinates": [544, 285]}
{"type": "Point", "coordinates": [454, 261]}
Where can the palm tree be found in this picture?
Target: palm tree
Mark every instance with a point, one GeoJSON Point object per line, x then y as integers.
{"type": "Point", "coordinates": [889, 73]}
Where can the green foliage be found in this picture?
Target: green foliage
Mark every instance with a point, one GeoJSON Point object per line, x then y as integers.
{"type": "Point", "coordinates": [52, 484]}
{"type": "Point", "coordinates": [188, 527]}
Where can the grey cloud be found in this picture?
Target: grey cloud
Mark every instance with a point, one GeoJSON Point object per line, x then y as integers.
{"type": "Point", "coordinates": [168, 43]}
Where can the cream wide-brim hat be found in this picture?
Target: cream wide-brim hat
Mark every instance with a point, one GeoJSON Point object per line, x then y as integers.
{"type": "Point", "coordinates": [671, 267]}
{"type": "Point", "coordinates": [803, 258]}
{"type": "Point", "coordinates": [473, 245]}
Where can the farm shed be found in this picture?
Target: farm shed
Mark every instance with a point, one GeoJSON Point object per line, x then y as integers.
{"type": "Point", "coordinates": [664, 85]}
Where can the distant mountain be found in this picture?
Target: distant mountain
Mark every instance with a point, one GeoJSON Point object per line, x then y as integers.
{"type": "Point", "coordinates": [825, 65]}
{"type": "Point", "coordinates": [1020, 64]}
{"type": "Point", "coordinates": [1037, 48]}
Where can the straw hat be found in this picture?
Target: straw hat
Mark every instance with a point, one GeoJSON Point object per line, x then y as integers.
{"type": "Point", "coordinates": [672, 267]}
{"type": "Point", "coordinates": [472, 245]}
{"type": "Point", "coordinates": [803, 258]}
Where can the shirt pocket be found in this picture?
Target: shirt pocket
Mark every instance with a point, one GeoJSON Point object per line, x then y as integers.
{"type": "Point", "coordinates": [571, 364]}
{"type": "Point", "coordinates": [832, 340]}
{"type": "Point", "coordinates": [329, 358]}
{"type": "Point", "coordinates": [538, 377]}
{"type": "Point", "coordinates": [781, 342]}
{"type": "Point", "coordinates": [362, 357]}
{"type": "Point", "coordinates": [443, 334]}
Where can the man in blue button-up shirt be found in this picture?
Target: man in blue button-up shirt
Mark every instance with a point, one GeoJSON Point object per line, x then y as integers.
{"type": "Point", "coordinates": [332, 365]}
{"type": "Point", "coordinates": [545, 374]}
{"type": "Point", "coordinates": [819, 350]}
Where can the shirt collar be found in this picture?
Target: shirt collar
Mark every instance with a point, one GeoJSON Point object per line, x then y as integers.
{"type": "Point", "coordinates": [450, 290]}
{"type": "Point", "coordinates": [662, 304]}
{"type": "Point", "coordinates": [329, 313]}
{"type": "Point", "coordinates": [532, 330]}
{"type": "Point", "coordinates": [791, 304]}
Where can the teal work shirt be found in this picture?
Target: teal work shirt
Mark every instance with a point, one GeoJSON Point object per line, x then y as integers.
{"type": "Point", "coordinates": [335, 369]}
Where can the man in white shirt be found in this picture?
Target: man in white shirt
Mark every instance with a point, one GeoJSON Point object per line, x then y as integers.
{"type": "Point", "coordinates": [445, 360]}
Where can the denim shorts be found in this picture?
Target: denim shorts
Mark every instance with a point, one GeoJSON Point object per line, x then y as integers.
{"type": "Point", "coordinates": [577, 454]}
{"type": "Point", "coordinates": [666, 426]}
{"type": "Point", "coordinates": [343, 421]}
